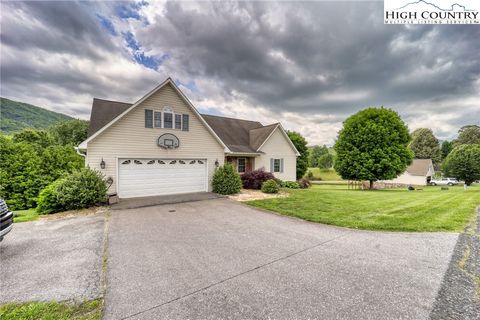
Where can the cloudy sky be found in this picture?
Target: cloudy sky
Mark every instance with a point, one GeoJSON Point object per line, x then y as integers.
{"type": "Point", "coordinates": [308, 65]}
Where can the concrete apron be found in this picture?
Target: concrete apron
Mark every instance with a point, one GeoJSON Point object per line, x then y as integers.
{"type": "Point", "coordinates": [133, 203]}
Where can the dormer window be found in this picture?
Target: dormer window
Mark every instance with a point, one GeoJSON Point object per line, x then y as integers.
{"type": "Point", "coordinates": [169, 119]}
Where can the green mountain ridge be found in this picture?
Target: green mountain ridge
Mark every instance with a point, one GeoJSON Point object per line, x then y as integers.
{"type": "Point", "coordinates": [16, 116]}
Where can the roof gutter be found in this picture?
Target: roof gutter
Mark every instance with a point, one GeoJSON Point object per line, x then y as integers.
{"type": "Point", "coordinates": [79, 152]}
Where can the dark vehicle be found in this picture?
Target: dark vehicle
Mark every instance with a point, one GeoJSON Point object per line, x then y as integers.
{"type": "Point", "coordinates": [6, 219]}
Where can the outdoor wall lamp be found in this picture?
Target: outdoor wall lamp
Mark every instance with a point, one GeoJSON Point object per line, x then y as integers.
{"type": "Point", "coordinates": [110, 181]}
{"type": "Point", "coordinates": [217, 163]}
{"type": "Point", "coordinates": [102, 164]}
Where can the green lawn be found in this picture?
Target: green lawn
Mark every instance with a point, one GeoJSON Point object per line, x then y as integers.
{"type": "Point", "coordinates": [25, 215]}
{"type": "Point", "coordinates": [325, 174]}
{"type": "Point", "coordinates": [89, 310]}
{"type": "Point", "coordinates": [430, 209]}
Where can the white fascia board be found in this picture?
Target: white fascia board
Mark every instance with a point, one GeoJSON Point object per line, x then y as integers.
{"type": "Point", "coordinates": [83, 145]}
{"type": "Point", "coordinates": [279, 126]}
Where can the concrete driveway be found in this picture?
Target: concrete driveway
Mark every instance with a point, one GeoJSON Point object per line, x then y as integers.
{"type": "Point", "coordinates": [221, 259]}
{"type": "Point", "coordinates": [52, 260]}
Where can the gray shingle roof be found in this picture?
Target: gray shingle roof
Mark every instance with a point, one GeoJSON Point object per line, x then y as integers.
{"type": "Point", "coordinates": [419, 167]}
{"type": "Point", "coordinates": [104, 111]}
{"type": "Point", "coordinates": [242, 136]}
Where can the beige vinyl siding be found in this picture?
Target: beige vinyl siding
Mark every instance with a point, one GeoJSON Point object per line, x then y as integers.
{"type": "Point", "coordinates": [128, 138]}
{"type": "Point", "coordinates": [277, 147]}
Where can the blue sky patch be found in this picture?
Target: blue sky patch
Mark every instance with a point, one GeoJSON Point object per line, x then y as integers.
{"type": "Point", "coordinates": [151, 62]}
{"type": "Point", "coordinates": [130, 10]}
{"type": "Point", "coordinates": [107, 25]}
{"type": "Point", "coordinates": [191, 85]}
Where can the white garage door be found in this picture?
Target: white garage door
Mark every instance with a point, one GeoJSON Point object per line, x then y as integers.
{"type": "Point", "coordinates": [152, 177]}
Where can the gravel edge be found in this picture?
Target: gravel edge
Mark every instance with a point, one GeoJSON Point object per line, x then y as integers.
{"type": "Point", "coordinates": [459, 294]}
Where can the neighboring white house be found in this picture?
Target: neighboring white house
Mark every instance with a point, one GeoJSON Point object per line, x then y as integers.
{"type": "Point", "coordinates": [162, 145]}
{"type": "Point", "coordinates": [419, 173]}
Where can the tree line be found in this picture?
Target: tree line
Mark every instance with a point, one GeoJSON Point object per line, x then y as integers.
{"type": "Point", "coordinates": [32, 159]}
{"type": "Point", "coordinates": [375, 144]}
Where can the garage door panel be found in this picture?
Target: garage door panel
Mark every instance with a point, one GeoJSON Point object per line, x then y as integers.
{"type": "Point", "coordinates": [149, 177]}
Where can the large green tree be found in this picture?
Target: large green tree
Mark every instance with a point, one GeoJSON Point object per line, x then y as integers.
{"type": "Point", "coordinates": [425, 145]}
{"type": "Point", "coordinates": [29, 161]}
{"type": "Point", "coordinates": [468, 135]}
{"type": "Point", "coordinates": [71, 132]}
{"type": "Point", "coordinates": [373, 145]}
{"type": "Point", "coordinates": [463, 163]}
{"type": "Point", "coordinates": [301, 144]}
{"type": "Point", "coordinates": [20, 177]}
{"type": "Point", "coordinates": [447, 147]}
{"type": "Point", "coordinates": [39, 139]}
{"type": "Point", "coordinates": [315, 153]}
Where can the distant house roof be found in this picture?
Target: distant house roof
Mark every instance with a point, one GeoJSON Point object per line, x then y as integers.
{"type": "Point", "coordinates": [240, 136]}
{"type": "Point", "coordinates": [420, 167]}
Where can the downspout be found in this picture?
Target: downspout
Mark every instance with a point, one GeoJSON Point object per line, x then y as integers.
{"type": "Point", "coordinates": [79, 153]}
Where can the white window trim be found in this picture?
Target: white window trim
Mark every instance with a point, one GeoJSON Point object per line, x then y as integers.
{"type": "Point", "coordinates": [279, 165]}
{"type": "Point", "coordinates": [244, 165]}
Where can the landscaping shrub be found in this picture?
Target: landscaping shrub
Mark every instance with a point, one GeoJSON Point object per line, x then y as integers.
{"type": "Point", "coordinates": [226, 180]}
{"type": "Point", "coordinates": [304, 183]}
{"type": "Point", "coordinates": [270, 186]}
{"type": "Point", "coordinates": [82, 189]}
{"type": "Point", "coordinates": [290, 185]}
{"type": "Point", "coordinates": [310, 174]}
{"type": "Point", "coordinates": [255, 179]}
{"type": "Point", "coordinates": [48, 200]}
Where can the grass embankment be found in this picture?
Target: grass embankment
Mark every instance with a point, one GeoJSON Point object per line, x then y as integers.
{"type": "Point", "coordinates": [430, 209]}
{"type": "Point", "coordinates": [89, 310]}
{"type": "Point", "coordinates": [324, 174]}
{"type": "Point", "coordinates": [25, 215]}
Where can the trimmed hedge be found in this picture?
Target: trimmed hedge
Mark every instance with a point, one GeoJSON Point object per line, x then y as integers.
{"type": "Point", "coordinates": [226, 180]}
{"type": "Point", "coordinates": [255, 179]}
{"type": "Point", "coordinates": [290, 185]}
{"type": "Point", "coordinates": [270, 186]}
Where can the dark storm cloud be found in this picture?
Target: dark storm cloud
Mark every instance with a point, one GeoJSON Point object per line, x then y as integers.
{"type": "Point", "coordinates": [52, 26]}
{"type": "Point", "coordinates": [321, 48]}
{"type": "Point", "coordinates": [308, 64]}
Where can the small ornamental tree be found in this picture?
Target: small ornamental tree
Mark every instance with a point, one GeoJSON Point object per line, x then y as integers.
{"type": "Point", "coordinates": [463, 163]}
{"type": "Point", "coordinates": [325, 161]}
{"type": "Point", "coordinates": [425, 145]}
{"type": "Point", "coordinates": [373, 145]}
{"type": "Point", "coordinates": [226, 180]}
{"type": "Point", "coordinates": [301, 145]}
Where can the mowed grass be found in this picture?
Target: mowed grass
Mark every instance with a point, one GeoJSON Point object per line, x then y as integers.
{"type": "Point", "coordinates": [430, 209]}
{"type": "Point", "coordinates": [325, 174]}
{"type": "Point", "coordinates": [89, 310]}
{"type": "Point", "coordinates": [25, 215]}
